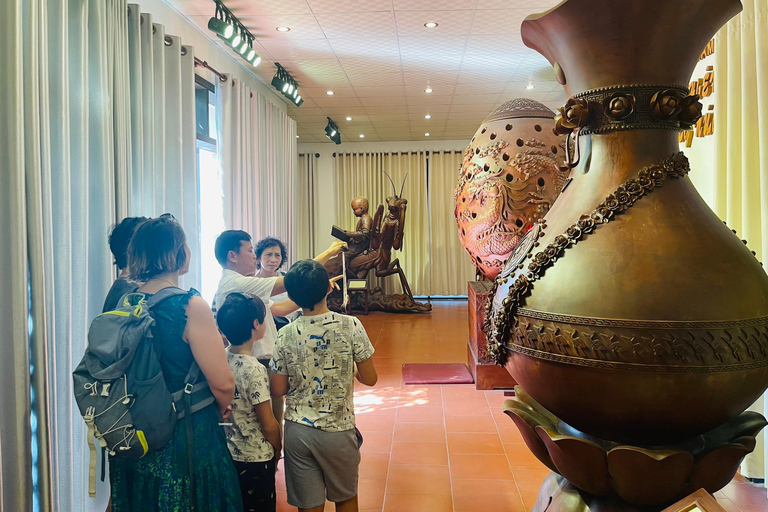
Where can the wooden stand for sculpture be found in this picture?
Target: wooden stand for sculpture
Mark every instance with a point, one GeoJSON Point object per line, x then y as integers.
{"type": "Point", "coordinates": [486, 373]}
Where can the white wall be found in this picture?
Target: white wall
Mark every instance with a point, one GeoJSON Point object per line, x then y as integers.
{"type": "Point", "coordinates": [326, 189]}
{"type": "Point", "coordinates": [223, 60]}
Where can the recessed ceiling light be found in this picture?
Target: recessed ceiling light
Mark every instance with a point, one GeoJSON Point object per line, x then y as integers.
{"type": "Point", "coordinates": [349, 118]}
{"type": "Point", "coordinates": [329, 93]}
{"type": "Point", "coordinates": [362, 136]}
{"type": "Point", "coordinates": [529, 86]}
{"type": "Point", "coordinates": [430, 24]}
{"type": "Point", "coordinates": [283, 29]}
{"type": "Point", "coordinates": [297, 136]}
{"type": "Point", "coordinates": [427, 116]}
{"type": "Point", "coordinates": [426, 134]}
{"type": "Point", "coordinates": [428, 90]}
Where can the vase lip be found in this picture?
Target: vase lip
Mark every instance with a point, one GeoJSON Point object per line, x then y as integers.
{"type": "Point", "coordinates": [596, 43]}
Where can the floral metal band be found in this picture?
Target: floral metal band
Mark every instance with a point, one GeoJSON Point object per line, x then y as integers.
{"type": "Point", "coordinates": [629, 107]}
{"type": "Point", "coordinates": [499, 327]}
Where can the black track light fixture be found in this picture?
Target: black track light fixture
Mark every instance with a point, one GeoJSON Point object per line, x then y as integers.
{"type": "Point", "coordinates": [332, 131]}
{"type": "Point", "coordinates": [284, 82]}
{"type": "Point", "coordinates": [227, 27]}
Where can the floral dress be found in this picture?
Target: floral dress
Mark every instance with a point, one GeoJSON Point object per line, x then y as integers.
{"type": "Point", "coordinates": [159, 481]}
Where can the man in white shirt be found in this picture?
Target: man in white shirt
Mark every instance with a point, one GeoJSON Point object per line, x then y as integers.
{"type": "Point", "coordinates": [234, 252]}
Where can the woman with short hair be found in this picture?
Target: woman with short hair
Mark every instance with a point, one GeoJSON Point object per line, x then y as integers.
{"type": "Point", "coordinates": [186, 333]}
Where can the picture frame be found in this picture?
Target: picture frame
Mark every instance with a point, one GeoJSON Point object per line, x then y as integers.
{"type": "Point", "coordinates": [699, 501]}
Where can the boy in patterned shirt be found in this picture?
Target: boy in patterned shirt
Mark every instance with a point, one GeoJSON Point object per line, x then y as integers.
{"type": "Point", "coordinates": [314, 363]}
{"type": "Point", "coordinates": [254, 436]}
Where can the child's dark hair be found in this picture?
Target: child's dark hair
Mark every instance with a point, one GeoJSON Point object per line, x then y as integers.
{"type": "Point", "coordinates": [266, 243]}
{"type": "Point", "coordinates": [229, 240]}
{"type": "Point", "coordinates": [120, 237]}
{"type": "Point", "coordinates": [307, 283]}
{"type": "Point", "coordinates": [236, 316]}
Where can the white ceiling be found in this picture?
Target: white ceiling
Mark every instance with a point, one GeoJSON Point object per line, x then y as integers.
{"type": "Point", "coordinates": [378, 58]}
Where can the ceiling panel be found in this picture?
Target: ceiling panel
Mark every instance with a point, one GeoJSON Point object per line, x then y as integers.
{"type": "Point", "coordinates": [449, 23]}
{"type": "Point", "coordinates": [378, 58]}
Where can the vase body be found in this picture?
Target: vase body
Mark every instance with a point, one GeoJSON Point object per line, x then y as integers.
{"type": "Point", "coordinates": [654, 328]}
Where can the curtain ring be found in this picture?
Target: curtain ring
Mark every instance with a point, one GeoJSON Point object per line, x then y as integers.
{"type": "Point", "coordinates": [154, 29]}
{"type": "Point", "coordinates": [129, 10]}
{"type": "Point", "coordinates": [183, 50]}
{"type": "Point", "coordinates": [168, 40]}
{"type": "Point", "coordinates": [223, 78]}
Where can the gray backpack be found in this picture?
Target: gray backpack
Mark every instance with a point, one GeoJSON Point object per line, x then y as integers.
{"type": "Point", "coordinates": [120, 388]}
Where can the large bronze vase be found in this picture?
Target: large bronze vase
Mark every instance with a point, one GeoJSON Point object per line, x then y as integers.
{"type": "Point", "coordinates": [646, 323]}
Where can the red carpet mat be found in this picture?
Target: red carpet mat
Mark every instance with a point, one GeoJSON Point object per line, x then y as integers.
{"type": "Point", "coordinates": [436, 373]}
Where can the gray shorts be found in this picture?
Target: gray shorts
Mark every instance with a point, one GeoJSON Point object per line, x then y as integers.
{"type": "Point", "coordinates": [319, 465]}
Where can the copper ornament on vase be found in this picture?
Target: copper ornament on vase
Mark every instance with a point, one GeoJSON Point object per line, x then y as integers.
{"type": "Point", "coordinates": [634, 321]}
{"type": "Point", "coordinates": [511, 174]}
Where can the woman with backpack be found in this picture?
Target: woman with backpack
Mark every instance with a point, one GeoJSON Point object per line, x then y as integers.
{"type": "Point", "coordinates": [167, 479]}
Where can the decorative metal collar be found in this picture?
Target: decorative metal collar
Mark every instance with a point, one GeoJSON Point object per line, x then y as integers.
{"type": "Point", "coordinates": [629, 107]}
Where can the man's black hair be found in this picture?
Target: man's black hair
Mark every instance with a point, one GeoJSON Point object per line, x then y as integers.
{"type": "Point", "coordinates": [229, 240]}
{"type": "Point", "coordinates": [265, 243]}
{"type": "Point", "coordinates": [235, 317]}
{"type": "Point", "coordinates": [120, 237]}
{"type": "Point", "coordinates": [307, 283]}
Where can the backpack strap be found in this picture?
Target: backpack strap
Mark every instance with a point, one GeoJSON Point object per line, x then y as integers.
{"type": "Point", "coordinates": [165, 293]}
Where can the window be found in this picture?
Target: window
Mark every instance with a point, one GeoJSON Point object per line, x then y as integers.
{"type": "Point", "coordinates": [210, 191]}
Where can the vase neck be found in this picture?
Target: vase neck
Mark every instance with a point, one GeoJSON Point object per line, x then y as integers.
{"type": "Point", "coordinates": [614, 158]}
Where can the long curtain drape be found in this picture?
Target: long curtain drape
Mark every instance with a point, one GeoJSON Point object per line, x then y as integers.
{"type": "Point", "coordinates": [741, 145]}
{"type": "Point", "coordinates": [306, 206]}
{"type": "Point", "coordinates": [70, 147]}
{"type": "Point", "coordinates": [362, 174]}
{"type": "Point", "coordinates": [450, 267]}
{"type": "Point", "coordinates": [259, 158]}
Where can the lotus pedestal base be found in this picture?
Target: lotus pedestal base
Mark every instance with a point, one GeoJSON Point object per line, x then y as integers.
{"type": "Point", "coordinates": [599, 475]}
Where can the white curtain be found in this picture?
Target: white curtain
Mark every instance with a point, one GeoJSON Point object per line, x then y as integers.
{"type": "Point", "coordinates": [450, 267]}
{"type": "Point", "coordinates": [307, 204]}
{"type": "Point", "coordinates": [362, 174]}
{"type": "Point", "coordinates": [70, 151]}
{"type": "Point", "coordinates": [741, 145]}
{"type": "Point", "coordinates": [259, 158]}
{"type": "Point", "coordinates": [156, 171]}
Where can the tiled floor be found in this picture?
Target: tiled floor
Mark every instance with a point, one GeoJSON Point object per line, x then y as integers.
{"type": "Point", "coordinates": [449, 448]}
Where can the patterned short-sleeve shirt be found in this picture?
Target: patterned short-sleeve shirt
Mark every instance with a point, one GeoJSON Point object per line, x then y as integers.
{"type": "Point", "coordinates": [318, 353]}
{"type": "Point", "coordinates": [245, 439]}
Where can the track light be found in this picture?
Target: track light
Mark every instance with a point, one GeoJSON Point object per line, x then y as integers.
{"type": "Point", "coordinates": [332, 131]}
{"type": "Point", "coordinates": [284, 82]}
{"type": "Point", "coordinates": [234, 33]}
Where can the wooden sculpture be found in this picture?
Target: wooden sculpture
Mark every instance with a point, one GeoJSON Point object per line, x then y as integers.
{"type": "Point", "coordinates": [372, 251]}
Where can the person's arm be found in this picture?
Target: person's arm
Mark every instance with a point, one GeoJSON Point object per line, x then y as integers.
{"type": "Point", "coordinates": [283, 308]}
{"type": "Point", "coordinates": [278, 384]}
{"type": "Point", "coordinates": [366, 372]}
{"type": "Point", "coordinates": [269, 426]}
{"type": "Point", "coordinates": [334, 249]}
{"type": "Point", "coordinates": [204, 339]}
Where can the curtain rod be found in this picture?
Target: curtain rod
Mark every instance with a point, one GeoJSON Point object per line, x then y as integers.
{"type": "Point", "coordinates": [204, 64]}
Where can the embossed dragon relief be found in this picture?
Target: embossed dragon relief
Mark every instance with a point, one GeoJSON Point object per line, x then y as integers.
{"type": "Point", "coordinates": [499, 196]}
{"type": "Point", "coordinates": [687, 347]}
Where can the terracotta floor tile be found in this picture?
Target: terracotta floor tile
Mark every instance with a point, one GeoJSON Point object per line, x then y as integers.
{"type": "Point", "coordinates": [728, 505]}
{"type": "Point", "coordinates": [479, 466]}
{"type": "Point", "coordinates": [469, 424]}
{"type": "Point", "coordinates": [465, 442]}
{"type": "Point", "coordinates": [466, 408]}
{"type": "Point", "coordinates": [419, 414]}
{"type": "Point", "coordinates": [418, 503]}
{"type": "Point", "coordinates": [419, 432]}
{"type": "Point", "coordinates": [419, 479]}
{"type": "Point", "coordinates": [374, 465]}
{"type": "Point", "coordinates": [520, 456]}
{"type": "Point", "coordinates": [377, 442]}
{"type": "Point", "coordinates": [486, 501]}
{"type": "Point", "coordinates": [419, 453]}
{"type": "Point", "coordinates": [370, 493]}
{"type": "Point", "coordinates": [529, 481]}
{"type": "Point", "coordinates": [374, 423]}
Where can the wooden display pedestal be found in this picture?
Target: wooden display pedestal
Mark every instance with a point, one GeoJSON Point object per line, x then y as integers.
{"type": "Point", "coordinates": [486, 373]}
